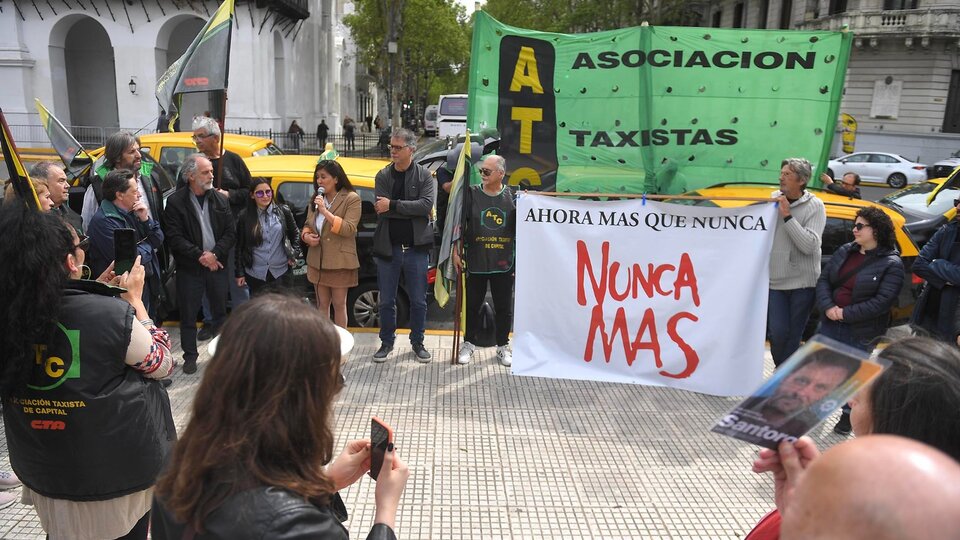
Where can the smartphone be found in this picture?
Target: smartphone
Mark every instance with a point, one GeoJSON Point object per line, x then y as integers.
{"type": "Point", "coordinates": [124, 250]}
{"type": "Point", "coordinates": [380, 436]}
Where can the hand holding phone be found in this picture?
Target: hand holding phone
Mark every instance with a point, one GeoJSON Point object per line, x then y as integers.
{"type": "Point", "coordinates": [124, 250]}
{"type": "Point", "coordinates": [380, 436]}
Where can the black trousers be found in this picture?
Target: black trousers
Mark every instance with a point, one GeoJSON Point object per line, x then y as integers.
{"type": "Point", "coordinates": [501, 288]}
{"type": "Point", "coordinates": [191, 287]}
{"type": "Point", "coordinates": [258, 286]}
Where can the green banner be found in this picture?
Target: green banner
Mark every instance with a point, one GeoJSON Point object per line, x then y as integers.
{"type": "Point", "coordinates": [655, 109]}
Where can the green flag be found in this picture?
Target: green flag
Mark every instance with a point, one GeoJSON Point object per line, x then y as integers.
{"type": "Point", "coordinates": [204, 67]}
{"type": "Point", "coordinates": [67, 147]}
{"type": "Point", "coordinates": [655, 109]}
{"type": "Point", "coordinates": [447, 272]}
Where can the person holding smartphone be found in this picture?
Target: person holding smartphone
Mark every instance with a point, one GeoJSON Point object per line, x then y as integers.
{"type": "Point", "coordinates": [257, 459]}
{"type": "Point", "coordinates": [123, 208]}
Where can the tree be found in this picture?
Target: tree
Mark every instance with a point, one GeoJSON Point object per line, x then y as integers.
{"type": "Point", "coordinates": [579, 16]}
{"type": "Point", "coordinates": [433, 41]}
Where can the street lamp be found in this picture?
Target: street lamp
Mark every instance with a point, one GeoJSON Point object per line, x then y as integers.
{"type": "Point", "coordinates": [132, 85]}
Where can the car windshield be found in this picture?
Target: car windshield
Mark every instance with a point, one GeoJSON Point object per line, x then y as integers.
{"type": "Point", "coordinates": [914, 199]}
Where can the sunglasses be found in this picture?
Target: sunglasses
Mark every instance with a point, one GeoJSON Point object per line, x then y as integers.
{"type": "Point", "coordinates": [83, 244]}
{"type": "Point", "coordinates": [860, 226]}
{"type": "Point", "coordinates": [396, 148]}
{"type": "Point", "coordinates": [261, 193]}
{"type": "Point", "coordinates": [198, 137]}
{"type": "Point", "coordinates": [486, 172]}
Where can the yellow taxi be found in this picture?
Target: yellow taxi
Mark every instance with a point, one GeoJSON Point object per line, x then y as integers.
{"type": "Point", "coordinates": [841, 212]}
{"type": "Point", "coordinates": [169, 149]}
{"type": "Point", "coordinates": [291, 178]}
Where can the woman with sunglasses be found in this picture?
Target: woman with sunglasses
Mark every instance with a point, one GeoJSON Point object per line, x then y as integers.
{"type": "Point", "coordinates": [331, 232]}
{"type": "Point", "coordinates": [858, 286]}
{"type": "Point", "coordinates": [86, 358]}
{"type": "Point", "coordinates": [268, 241]}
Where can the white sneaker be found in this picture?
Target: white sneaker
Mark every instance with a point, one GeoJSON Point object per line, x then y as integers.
{"type": "Point", "coordinates": [8, 480]}
{"type": "Point", "coordinates": [504, 355]}
{"type": "Point", "coordinates": [7, 498]}
{"type": "Point", "coordinates": [466, 352]}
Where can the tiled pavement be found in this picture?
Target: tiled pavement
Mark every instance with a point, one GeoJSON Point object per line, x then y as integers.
{"type": "Point", "coordinates": [498, 456]}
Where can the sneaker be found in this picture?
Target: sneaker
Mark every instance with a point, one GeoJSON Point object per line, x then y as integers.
{"type": "Point", "coordinates": [504, 355]}
{"type": "Point", "coordinates": [466, 353]}
{"type": "Point", "coordinates": [205, 333]}
{"type": "Point", "coordinates": [7, 498]}
{"type": "Point", "coordinates": [189, 365]}
{"type": "Point", "coordinates": [381, 355]}
{"type": "Point", "coordinates": [423, 355]}
{"type": "Point", "coordinates": [843, 426]}
{"type": "Point", "coordinates": [8, 479]}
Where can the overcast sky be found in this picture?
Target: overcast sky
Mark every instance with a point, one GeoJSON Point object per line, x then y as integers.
{"type": "Point", "coordinates": [469, 5]}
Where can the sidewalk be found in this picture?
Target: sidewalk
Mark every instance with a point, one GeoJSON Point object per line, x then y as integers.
{"type": "Point", "coordinates": [498, 456]}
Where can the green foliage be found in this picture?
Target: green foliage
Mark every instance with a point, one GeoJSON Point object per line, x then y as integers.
{"type": "Point", "coordinates": [579, 16]}
{"type": "Point", "coordinates": [433, 45]}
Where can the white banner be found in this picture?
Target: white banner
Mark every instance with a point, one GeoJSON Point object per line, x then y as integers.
{"type": "Point", "coordinates": [650, 293]}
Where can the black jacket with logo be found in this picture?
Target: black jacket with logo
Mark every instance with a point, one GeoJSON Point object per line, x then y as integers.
{"type": "Point", "coordinates": [88, 427]}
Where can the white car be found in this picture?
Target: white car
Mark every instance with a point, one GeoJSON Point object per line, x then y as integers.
{"type": "Point", "coordinates": [879, 167]}
{"type": "Point", "coordinates": [944, 167]}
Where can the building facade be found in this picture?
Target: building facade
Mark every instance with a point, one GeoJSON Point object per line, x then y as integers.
{"type": "Point", "coordinates": [903, 79]}
{"type": "Point", "coordinates": [95, 63]}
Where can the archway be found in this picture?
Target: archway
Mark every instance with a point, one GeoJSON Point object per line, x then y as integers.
{"type": "Point", "coordinates": [174, 38]}
{"type": "Point", "coordinates": [83, 76]}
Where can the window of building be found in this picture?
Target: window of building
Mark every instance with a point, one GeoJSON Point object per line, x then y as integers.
{"type": "Point", "coordinates": [899, 4]}
{"type": "Point", "coordinates": [951, 117]}
{"type": "Point", "coordinates": [786, 8]}
{"type": "Point", "coordinates": [762, 16]}
{"type": "Point", "coordinates": [738, 15]}
{"type": "Point", "coordinates": [838, 6]}
{"type": "Point", "coordinates": [717, 15]}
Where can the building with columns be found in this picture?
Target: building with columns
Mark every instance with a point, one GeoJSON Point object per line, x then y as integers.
{"type": "Point", "coordinates": [903, 78]}
{"type": "Point", "coordinates": [95, 63]}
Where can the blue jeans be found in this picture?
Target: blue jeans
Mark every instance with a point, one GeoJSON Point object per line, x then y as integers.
{"type": "Point", "coordinates": [787, 314]}
{"type": "Point", "coordinates": [840, 331]}
{"type": "Point", "coordinates": [413, 264]}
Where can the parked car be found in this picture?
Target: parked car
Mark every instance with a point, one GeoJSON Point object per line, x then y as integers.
{"type": "Point", "coordinates": [944, 167]}
{"type": "Point", "coordinates": [926, 206]}
{"type": "Point", "coordinates": [879, 167]}
{"type": "Point", "coordinates": [170, 149]}
{"type": "Point", "coordinates": [841, 212]}
{"type": "Point", "coordinates": [291, 177]}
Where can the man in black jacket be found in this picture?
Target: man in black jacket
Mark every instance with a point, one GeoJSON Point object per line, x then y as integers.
{"type": "Point", "coordinates": [56, 180]}
{"type": "Point", "coordinates": [200, 232]}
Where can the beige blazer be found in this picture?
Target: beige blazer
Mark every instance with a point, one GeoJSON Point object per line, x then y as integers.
{"type": "Point", "coordinates": [338, 240]}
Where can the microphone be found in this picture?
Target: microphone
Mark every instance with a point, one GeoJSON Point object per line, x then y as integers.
{"type": "Point", "coordinates": [320, 192]}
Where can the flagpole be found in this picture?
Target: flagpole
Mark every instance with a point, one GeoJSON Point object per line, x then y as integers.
{"type": "Point", "coordinates": [223, 129]}
{"type": "Point", "coordinates": [456, 313]}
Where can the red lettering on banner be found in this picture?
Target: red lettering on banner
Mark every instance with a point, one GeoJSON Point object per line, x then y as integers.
{"type": "Point", "coordinates": [196, 81]}
{"type": "Point", "coordinates": [650, 283]}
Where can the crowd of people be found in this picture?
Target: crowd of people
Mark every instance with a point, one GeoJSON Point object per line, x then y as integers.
{"type": "Point", "coordinates": [257, 458]}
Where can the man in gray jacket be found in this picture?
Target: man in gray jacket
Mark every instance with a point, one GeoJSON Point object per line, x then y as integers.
{"type": "Point", "coordinates": [794, 259]}
{"type": "Point", "coordinates": [406, 193]}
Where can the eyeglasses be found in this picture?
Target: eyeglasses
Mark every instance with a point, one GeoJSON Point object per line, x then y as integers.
{"type": "Point", "coordinates": [851, 186]}
{"type": "Point", "coordinates": [396, 148]}
{"type": "Point", "coordinates": [83, 244]}
{"type": "Point", "coordinates": [263, 193]}
{"type": "Point", "coordinates": [860, 226]}
{"type": "Point", "coordinates": [486, 172]}
{"type": "Point", "coordinates": [198, 137]}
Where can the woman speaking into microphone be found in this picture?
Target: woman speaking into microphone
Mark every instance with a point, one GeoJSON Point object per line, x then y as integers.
{"type": "Point", "coordinates": [330, 233]}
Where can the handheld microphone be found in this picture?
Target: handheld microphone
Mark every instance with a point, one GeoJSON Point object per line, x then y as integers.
{"type": "Point", "coordinates": [320, 192]}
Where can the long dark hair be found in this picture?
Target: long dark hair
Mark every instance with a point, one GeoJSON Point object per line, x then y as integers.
{"type": "Point", "coordinates": [918, 396]}
{"type": "Point", "coordinates": [881, 224]}
{"type": "Point", "coordinates": [262, 413]}
{"type": "Point", "coordinates": [33, 250]}
{"type": "Point", "coordinates": [250, 218]}
{"type": "Point", "coordinates": [333, 169]}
